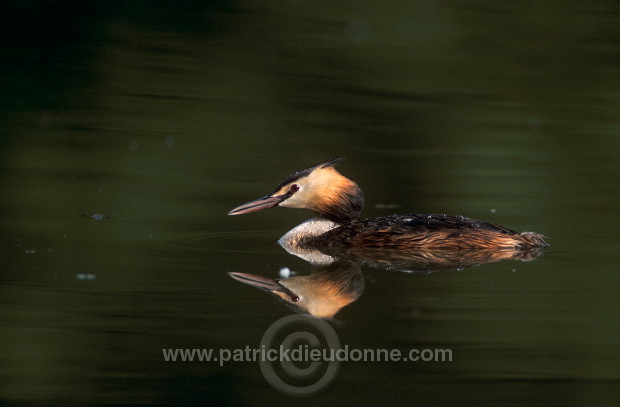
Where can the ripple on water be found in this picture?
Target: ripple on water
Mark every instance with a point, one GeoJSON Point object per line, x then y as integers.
{"type": "Point", "coordinates": [259, 241]}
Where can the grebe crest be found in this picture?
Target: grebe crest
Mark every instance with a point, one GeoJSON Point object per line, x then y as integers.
{"type": "Point", "coordinates": [319, 188]}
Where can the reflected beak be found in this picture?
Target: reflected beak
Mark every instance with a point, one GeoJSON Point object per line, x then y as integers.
{"type": "Point", "coordinates": [263, 283]}
{"type": "Point", "coordinates": [259, 204]}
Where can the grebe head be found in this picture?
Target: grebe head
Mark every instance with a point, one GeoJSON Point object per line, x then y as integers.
{"type": "Point", "coordinates": [320, 188]}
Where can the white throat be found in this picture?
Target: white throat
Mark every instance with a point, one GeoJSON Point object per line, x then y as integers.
{"type": "Point", "coordinates": [292, 240]}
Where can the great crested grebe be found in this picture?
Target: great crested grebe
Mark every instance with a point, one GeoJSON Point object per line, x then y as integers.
{"type": "Point", "coordinates": [338, 201]}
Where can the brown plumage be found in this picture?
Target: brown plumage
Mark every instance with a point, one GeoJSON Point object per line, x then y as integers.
{"type": "Point", "coordinates": [425, 231]}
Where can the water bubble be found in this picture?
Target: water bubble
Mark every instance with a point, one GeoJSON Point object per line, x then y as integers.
{"type": "Point", "coordinates": [358, 31]}
{"type": "Point", "coordinates": [534, 123]}
{"type": "Point", "coordinates": [169, 141]}
{"type": "Point", "coordinates": [285, 272]}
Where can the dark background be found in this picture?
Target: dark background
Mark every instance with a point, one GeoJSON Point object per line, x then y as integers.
{"type": "Point", "coordinates": [164, 115]}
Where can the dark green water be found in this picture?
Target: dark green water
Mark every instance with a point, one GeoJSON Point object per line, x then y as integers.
{"type": "Point", "coordinates": [165, 115]}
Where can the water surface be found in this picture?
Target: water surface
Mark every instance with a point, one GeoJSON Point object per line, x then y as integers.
{"type": "Point", "coordinates": [163, 117]}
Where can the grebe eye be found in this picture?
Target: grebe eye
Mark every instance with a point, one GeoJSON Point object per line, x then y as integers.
{"type": "Point", "coordinates": [294, 298]}
{"type": "Point", "coordinates": [294, 188]}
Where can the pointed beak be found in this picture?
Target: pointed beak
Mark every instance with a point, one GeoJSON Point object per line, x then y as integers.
{"type": "Point", "coordinates": [259, 204]}
{"type": "Point", "coordinates": [263, 283]}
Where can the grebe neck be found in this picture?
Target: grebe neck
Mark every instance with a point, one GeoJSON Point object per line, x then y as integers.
{"type": "Point", "coordinates": [294, 240]}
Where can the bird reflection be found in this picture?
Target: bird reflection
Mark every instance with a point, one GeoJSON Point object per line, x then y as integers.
{"type": "Point", "coordinates": [339, 280]}
{"type": "Point", "coordinates": [411, 259]}
{"type": "Point", "coordinates": [321, 294]}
